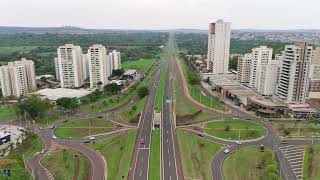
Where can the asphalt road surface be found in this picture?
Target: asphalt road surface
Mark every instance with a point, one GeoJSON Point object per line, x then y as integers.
{"type": "Point", "coordinates": [141, 166]}
{"type": "Point", "coordinates": [168, 152]}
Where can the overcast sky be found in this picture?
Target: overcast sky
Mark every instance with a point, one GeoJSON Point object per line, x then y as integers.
{"type": "Point", "coordinates": [161, 14]}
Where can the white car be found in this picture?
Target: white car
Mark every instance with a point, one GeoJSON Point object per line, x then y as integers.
{"type": "Point", "coordinates": [238, 142]}
{"type": "Point", "coordinates": [92, 138]}
{"type": "Point", "coordinates": [54, 137]}
{"type": "Point", "coordinates": [226, 151]}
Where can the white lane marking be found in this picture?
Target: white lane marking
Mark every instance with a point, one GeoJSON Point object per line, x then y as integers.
{"type": "Point", "coordinates": [140, 173]}
{"type": "Point", "coordinates": [169, 163]}
{"type": "Point", "coordinates": [167, 140]}
{"type": "Point", "coordinates": [167, 132]}
{"type": "Point", "coordinates": [142, 158]}
{"type": "Point", "coordinates": [168, 151]}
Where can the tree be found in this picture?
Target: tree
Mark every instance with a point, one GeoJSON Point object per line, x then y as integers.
{"type": "Point", "coordinates": [143, 91]}
{"type": "Point", "coordinates": [112, 89]}
{"type": "Point", "coordinates": [117, 72]}
{"type": "Point", "coordinates": [99, 84]}
{"type": "Point", "coordinates": [32, 107]}
{"type": "Point", "coordinates": [286, 132]}
{"type": "Point", "coordinates": [68, 103]}
{"type": "Point", "coordinates": [227, 128]}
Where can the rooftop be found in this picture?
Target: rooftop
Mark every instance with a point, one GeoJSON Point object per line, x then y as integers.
{"type": "Point", "coordinates": [130, 72]}
{"type": "Point", "coordinates": [54, 94]}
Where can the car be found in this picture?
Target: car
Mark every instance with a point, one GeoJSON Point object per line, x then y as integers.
{"type": "Point", "coordinates": [65, 121]}
{"type": "Point", "coordinates": [226, 151]}
{"type": "Point", "coordinates": [42, 151]}
{"type": "Point", "coordinates": [238, 142]}
{"type": "Point", "coordinates": [86, 141]}
{"type": "Point", "coordinates": [92, 138]}
{"type": "Point", "coordinates": [100, 117]}
{"type": "Point", "coordinates": [284, 142]}
{"type": "Point", "coordinates": [40, 128]}
{"type": "Point", "coordinates": [54, 137]}
{"type": "Point", "coordinates": [200, 135]}
{"type": "Point", "coordinates": [141, 141]}
{"type": "Point", "coordinates": [52, 127]}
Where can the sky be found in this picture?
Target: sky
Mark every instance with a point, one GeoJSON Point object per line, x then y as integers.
{"type": "Point", "coordinates": [161, 14]}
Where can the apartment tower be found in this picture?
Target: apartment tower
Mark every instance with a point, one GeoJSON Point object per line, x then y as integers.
{"type": "Point", "coordinates": [70, 66]}
{"type": "Point", "coordinates": [293, 80]}
{"type": "Point", "coordinates": [244, 68]}
{"type": "Point", "coordinates": [218, 47]}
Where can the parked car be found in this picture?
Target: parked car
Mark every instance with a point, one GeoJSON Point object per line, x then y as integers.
{"type": "Point", "coordinates": [92, 138]}
{"type": "Point", "coordinates": [65, 121]}
{"type": "Point", "coordinates": [54, 137]}
{"type": "Point", "coordinates": [238, 142]}
{"type": "Point", "coordinates": [86, 141]}
{"type": "Point", "coordinates": [141, 141]}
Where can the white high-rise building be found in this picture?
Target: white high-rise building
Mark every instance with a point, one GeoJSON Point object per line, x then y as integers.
{"type": "Point", "coordinates": [98, 65]}
{"type": "Point", "coordinates": [314, 84]}
{"type": "Point", "coordinates": [218, 47]}
{"type": "Point", "coordinates": [70, 66]}
{"type": "Point", "coordinates": [260, 59]}
{"type": "Point", "coordinates": [18, 78]}
{"type": "Point", "coordinates": [244, 68]}
{"type": "Point", "coordinates": [85, 66]}
{"type": "Point", "coordinates": [269, 78]}
{"type": "Point", "coordinates": [293, 79]}
{"type": "Point", "coordinates": [115, 60]}
{"type": "Point", "coordinates": [56, 68]}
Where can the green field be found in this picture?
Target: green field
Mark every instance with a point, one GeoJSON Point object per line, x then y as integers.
{"type": "Point", "coordinates": [108, 103]}
{"type": "Point", "coordinates": [250, 164]}
{"type": "Point", "coordinates": [311, 164]}
{"type": "Point", "coordinates": [7, 113]}
{"type": "Point", "coordinates": [133, 114]}
{"type": "Point", "coordinates": [235, 129]}
{"type": "Point", "coordinates": [155, 155]}
{"type": "Point", "coordinates": [67, 164]}
{"type": "Point", "coordinates": [78, 129]}
{"type": "Point", "coordinates": [139, 64]}
{"type": "Point", "coordinates": [117, 151]}
{"type": "Point", "coordinates": [14, 161]}
{"type": "Point", "coordinates": [196, 154]}
{"type": "Point", "coordinates": [293, 130]}
{"type": "Point", "coordinates": [160, 90]}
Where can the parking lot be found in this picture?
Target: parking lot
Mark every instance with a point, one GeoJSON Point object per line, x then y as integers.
{"type": "Point", "coordinates": [294, 154]}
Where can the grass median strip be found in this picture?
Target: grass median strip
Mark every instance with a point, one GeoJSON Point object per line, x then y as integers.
{"type": "Point", "coordinates": [160, 90]}
{"type": "Point", "coordinates": [311, 164]}
{"type": "Point", "coordinates": [235, 129]}
{"type": "Point", "coordinates": [196, 154]}
{"type": "Point", "coordinates": [117, 151]}
{"type": "Point", "coordinates": [155, 155]}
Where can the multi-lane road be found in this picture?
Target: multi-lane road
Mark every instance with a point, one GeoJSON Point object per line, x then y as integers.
{"type": "Point", "coordinates": [143, 143]}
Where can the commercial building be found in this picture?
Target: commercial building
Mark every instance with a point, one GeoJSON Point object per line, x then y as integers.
{"type": "Point", "coordinates": [260, 59]}
{"type": "Point", "coordinates": [18, 78]}
{"type": "Point", "coordinates": [98, 65]}
{"type": "Point", "coordinates": [244, 69]}
{"type": "Point", "coordinates": [293, 79]}
{"type": "Point", "coordinates": [115, 58]}
{"type": "Point", "coordinates": [55, 94]}
{"type": "Point", "coordinates": [70, 66]}
{"type": "Point", "coordinates": [218, 47]}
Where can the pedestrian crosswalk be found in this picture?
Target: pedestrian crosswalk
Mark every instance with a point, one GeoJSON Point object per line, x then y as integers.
{"type": "Point", "coordinates": [294, 154]}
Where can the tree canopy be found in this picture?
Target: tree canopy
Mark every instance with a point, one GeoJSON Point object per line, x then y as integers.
{"type": "Point", "coordinates": [68, 103]}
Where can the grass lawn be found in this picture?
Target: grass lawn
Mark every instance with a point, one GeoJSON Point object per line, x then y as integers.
{"type": "Point", "coordinates": [160, 90]}
{"type": "Point", "coordinates": [117, 152]}
{"type": "Point", "coordinates": [67, 164]}
{"type": "Point", "coordinates": [250, 164]}
{"type": "Point", "coordinates": [48, 119]}
{"type": "Point", "coordinates": [196, 154]}
{"type": "Point", "coordinates": [232, 129]}
{"type": "Point", "coordinates": [14, 161]}
{"type": "Point", "coordinates": [292, 129]}
{"type": "Point", "coordinates": [139, 64]}
{"type": "Point", "coordinates": [311, 164]}
{"type": "Point", "coordinates": [108, 103]}
{"type": "Point", "coordinates": [134, 113]}
{"type": "Point", "coordinates": [7, 113]}
{"type": "Point", "coordinates": [79, 129]}
{"type": "Point", "coordinates": [155, 155]}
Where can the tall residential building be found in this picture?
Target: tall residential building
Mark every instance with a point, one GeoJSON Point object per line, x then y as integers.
{"type": "Point", "coordinates": [294, 73]}
{"type": "Point", "coordinates": [115, 58]}
{"type": "Point", "coordinates": [269, 78]}
{"type": "Point", "coordinates": [70, 66]}
{"type": "Point", "coordinates": [98, 65]}
{"type": "Point", "coordinates": [18, 78]}
{"type": "Point", "coordinates": [218, 47]}
{"type": "Point", "coordinates": [85, 66]}
{"type": "Point", "coordinates": [260, 58]}
{"type": "Point", "coordinates": [314, 84]}
{"type": "Point", "coordinates": [244, 68]}
{"type": "Point", "coordinates": [56, 68]}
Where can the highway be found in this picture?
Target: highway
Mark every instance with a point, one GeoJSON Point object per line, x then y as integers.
{"type": "Point", "coordinates": [169, 170]}
{"type": "Point", "coordinates": [143, 142]}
